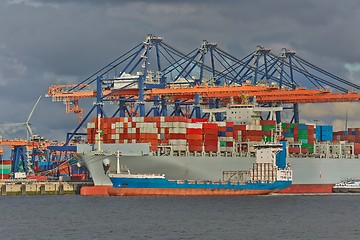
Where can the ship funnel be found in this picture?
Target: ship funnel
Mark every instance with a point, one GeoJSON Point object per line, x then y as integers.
{"type": "Point", "coordinates": [281, 156]}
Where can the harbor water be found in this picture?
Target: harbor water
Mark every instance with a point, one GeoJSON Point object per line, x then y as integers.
{"type": "Point", "coordinates": [246, 217]}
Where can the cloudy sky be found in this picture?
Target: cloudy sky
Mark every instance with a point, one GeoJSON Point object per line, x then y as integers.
{"type": "Point", "coordinates": [60, 41]}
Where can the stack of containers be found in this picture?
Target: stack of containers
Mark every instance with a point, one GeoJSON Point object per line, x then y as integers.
{"type": "Point", "coordinates": [311, 138]}
{"type": "Point", "coordinates": [194, 136]}
{"type": "Point", "coordinates": [268, 125]}
{"type": "Point", "coordinates": [324, 133]}
{"type": "Point", "coordinates": [222, 136]}
{"type": "Point", "coordinates": [352, 135]}
{"type": "Point", "coordinates": [147, 132]}
{"type": "Point", "coordinates": [340, 136]}
{"type": "Point", "coordinates": [210, 132]}
{"type": "Point", "coordinates": [288, 131]}
{"type": "Point", "coordinates": [229, 136]}
{"type": "Point", "coordinates": [238, 130]}
{"type": "Point", "coordinates": [177, 135]}
{"type": "Point", "coordinates": [5, 169]}
{"type": "Point", "coordinates": [255, 135]}
{"type": "Point", "coordinates": [301, 135]}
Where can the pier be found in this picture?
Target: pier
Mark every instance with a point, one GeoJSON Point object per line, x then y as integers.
{"type": "Point", "coordinates": [23, 188]}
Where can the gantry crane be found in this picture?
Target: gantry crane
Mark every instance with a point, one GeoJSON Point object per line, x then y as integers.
{"type": "Point", "coordinates": [159, 75]}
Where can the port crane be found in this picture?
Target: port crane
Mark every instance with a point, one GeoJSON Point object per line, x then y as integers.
{"type": "Point", "coordinates": [155, 73]}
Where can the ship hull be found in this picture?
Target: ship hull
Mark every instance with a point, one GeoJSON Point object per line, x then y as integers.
{"type": "Point", "coordinates": [183, 192]}
{"type": "Point", "coordinates": [154, 186]}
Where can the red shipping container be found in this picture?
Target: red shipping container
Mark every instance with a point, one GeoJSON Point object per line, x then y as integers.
{"type": "Point", "coordinates": [229, 124]}
{"type": "Point", "coordinates": [351, 138]}
{"type": "Point", "coordinates": [194, 142]}
{"type": "Point", "coordinates": [195, 148]}
{"type": "Point", "coordinates": [239, 127]}
{"type": "Point", "coordinates": [211, 148]}
{"type": "Point", "coordinates": [198, 120]}
{"type": "Point", "coordinates": [211, 137]}
{"type": "Point", "coordinates": [229, 134]}
{"type": "Point", "coordinates": [222, 129]}
{"type": "Point", "coordinates": [210, 131]}
{"type": "Point", "coordinates": [304, 150]}
{"type": "Point", "coordinates": [209, 126]}
{"type": "Point", "coordinates": [252, 138]}
{"type": "Point", "coordinates": [294, 150]}
{"type": "Point", "coordinates": [356, 148]}
{"type": "Point", "coordinates": [210, 143]}
{"type": "Point", "coordinates": [194, 137]}
{"type": "Point", "coordinates": [267, 122]}
{"type": "Point", "coordinates": [194, 131]}
{"type": "Point", "coordinates": [229, 144]}
{"type": "Point", "coordinates": [177, 136]}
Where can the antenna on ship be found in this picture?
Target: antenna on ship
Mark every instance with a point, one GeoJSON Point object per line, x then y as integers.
{"type": "Point", "coordinates": [118, 169]}
{"type": "Point", "coordinates": [346, 120]}
{"type": "Point", "coordinates": [99, 134]}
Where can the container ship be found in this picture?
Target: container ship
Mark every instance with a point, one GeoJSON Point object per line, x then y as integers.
{"type": "Point", "coordinates": [269, 174]}
{"type": "Point", "coordinates": [196, 149]}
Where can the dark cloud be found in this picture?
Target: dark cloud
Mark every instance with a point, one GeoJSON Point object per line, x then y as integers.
{"type": "Point", "coordinates": [62, 41]}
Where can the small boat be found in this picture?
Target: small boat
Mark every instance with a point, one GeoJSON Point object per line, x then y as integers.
{"type": "Point", "coordinates": [347, 186]}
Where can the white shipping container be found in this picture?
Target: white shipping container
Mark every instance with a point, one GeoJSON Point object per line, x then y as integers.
{"type": "Point", "coordinates": [194, 125]}
{"type": "Point", "coordinates": [221, 124]}
{"type": "Point", "coordinates": [179, 148]}
{"type": "Point", "coordinates": [222, 149]}
{"type": "Point", "coordinates": [222, 139]}
{"type": "Point", "coordinates": [229, 139]}
{"type": "Point", "coordinates": [182, 130]}
{"type": "Point", "coordinates": [91, 125]}
{"type": "Point", "coordinates": [20, 175]}
{"type": "Point", "coordinates": [129, 125]}
{"type": "Point", "coordinates": [162, 119]}
{"type": "Point", "coordinates": [113, 126]}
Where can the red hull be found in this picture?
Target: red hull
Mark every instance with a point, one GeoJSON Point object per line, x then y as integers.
{"type": "Point", "coordinates": [182, 192]}
{"type": "Point", "coordinates": [308, 188]}
{"type": "Point", "coordinates": [95, 191]}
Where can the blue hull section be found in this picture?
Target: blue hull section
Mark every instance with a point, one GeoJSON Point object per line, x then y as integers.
{"type": "Point", "coordinates": [187, 184]}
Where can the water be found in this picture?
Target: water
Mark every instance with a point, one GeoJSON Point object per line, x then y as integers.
{"type": "Point", "coordinates": [247, 217]}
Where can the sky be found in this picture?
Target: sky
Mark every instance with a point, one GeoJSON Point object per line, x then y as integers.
{"type": "Point", "coordinates": [51, 42]}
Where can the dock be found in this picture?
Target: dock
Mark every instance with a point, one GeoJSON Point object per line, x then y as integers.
{"type": "Point", "coordinates": [23, 188]}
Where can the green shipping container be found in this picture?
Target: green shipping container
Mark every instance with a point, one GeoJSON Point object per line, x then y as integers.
{"type": "Point", "coordinates": [222, 144]}
{"type": "Point", "coordinates": [268, 139]}
{"type": "Point", "coordinates": [303, 134]}
{"type": "Point", "coordinates": [268, 128]}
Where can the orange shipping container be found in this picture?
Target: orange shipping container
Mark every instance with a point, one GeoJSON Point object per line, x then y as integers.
{"type": "Point", "coordinates": [194, 137]}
